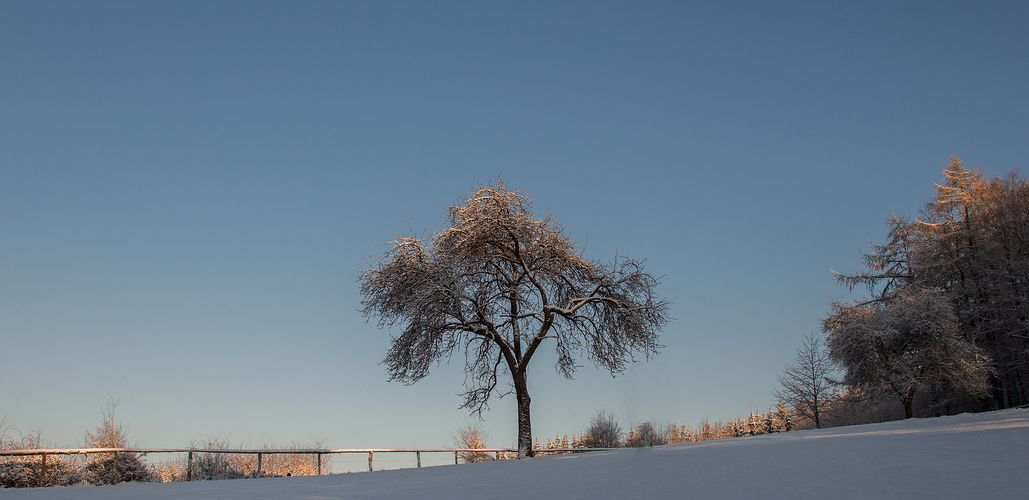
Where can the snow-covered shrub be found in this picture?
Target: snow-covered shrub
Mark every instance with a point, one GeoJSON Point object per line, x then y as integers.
{"type": "Point", "coordinates": [212, 466]}
{"type": "Point", "coordinates": [282, 464]}
{"type": "Point", "coordinates": [167, 472]}
{"type": "Point", "coordinates": [113, 468]}
{"type": "Point", "coordinates": [216, 466]}
{"type": "Point", "coordinates": [24, 471]}
{"type": "Point", "coordinates": [119, 468]}
{"type": "Point", "coordinates": [472, 436]}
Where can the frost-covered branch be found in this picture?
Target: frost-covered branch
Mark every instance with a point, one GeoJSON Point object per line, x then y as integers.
{"type": "Point", "coordinates": [498, 274]}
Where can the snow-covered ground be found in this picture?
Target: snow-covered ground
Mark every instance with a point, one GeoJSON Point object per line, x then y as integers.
{"type": "Point", "coordinates": [982, 455]}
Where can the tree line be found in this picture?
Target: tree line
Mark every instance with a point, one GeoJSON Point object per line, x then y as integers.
{"type": "Point", "coordinates": [944, 328]}
{"type": "Point", "coordinates": [604, 431]}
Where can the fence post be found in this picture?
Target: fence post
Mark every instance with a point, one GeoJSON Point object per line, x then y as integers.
{"type": "Point", "coordinates": [369, 461]}
{"type": "Point", "coordinates": [319, 464]}
{"type": "Point", "coordinates": [418, 455]}
{"type": "Point", "coordinates": [189, 466]}
{"type": "Point", "coordinates": [259, 465]}
{"type": "Point", "coordinates": [42, 470]}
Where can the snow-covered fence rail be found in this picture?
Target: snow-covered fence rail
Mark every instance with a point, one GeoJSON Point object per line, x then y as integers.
{"type": "Point", "coordinates": [261, 452]}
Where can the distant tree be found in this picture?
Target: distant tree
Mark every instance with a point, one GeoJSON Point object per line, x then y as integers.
{"type": "Point", "coordinates": [783, 418]}
{"type": "Point", "coordinates": [769, 421]}
{"type": "Point", "coordinates": [753, 423]}
{"type": "Point", "coordinates": [806, 384]}
{"type": "Point", "coordinates": [734, 428]}
{"type": "Point", "coordinates": [602, 432]}
{"type": "Point", "coordinates": [496, 283]}
{"type": "Point", "coordinates": [911, 341]}
{"type": "Point", "coordinates": [677, 433]}
{"type": "Point", "coordinates": [643, 435]}
{"type": "Point", "coordinates": [706, 432]}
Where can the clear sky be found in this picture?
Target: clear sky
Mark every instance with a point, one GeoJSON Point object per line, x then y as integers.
{"type": "Point", "coordinates": [188, 189]}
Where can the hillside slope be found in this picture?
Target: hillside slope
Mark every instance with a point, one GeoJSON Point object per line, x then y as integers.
{"type": "Point", "coordinates": [982, 455]}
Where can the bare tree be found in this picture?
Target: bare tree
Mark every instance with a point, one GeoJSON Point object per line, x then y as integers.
{"type": "Point", "coordinates": [496, 283]}
{"type": "Point", "coordinates": [603, 432]}
{"type": "Point", "coordinates": [912, 341]}
{"type": "Point", "coordinates": [806, 384]}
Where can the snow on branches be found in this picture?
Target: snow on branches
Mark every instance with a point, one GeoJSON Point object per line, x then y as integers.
{"type": "Point", "coordinates": [497, 282]}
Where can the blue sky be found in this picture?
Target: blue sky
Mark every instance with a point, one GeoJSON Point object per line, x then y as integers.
{"type": "Point", "coordinates": [188, 189]}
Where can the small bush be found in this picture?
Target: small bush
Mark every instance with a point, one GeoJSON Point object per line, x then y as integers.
{"type": "Point", "coordinates": [24, 472]}
{"type": "Point", "coordinates": [472, 436]}
{"type": "Point", "coordinates": [120, 468]}
{"type": "Point", "coordinates": [282, 464]}
{"type": "Point", "coordinates": [113, 468]}
{"type": "Point", "coordinates": [214, 466]}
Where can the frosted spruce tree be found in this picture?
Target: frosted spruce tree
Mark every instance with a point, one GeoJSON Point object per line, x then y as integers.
{"type": "Point", "coordinates": [496, 283]}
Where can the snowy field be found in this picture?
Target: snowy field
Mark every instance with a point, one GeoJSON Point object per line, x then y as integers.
{"type": "Point", "coordinates": [982, 455]}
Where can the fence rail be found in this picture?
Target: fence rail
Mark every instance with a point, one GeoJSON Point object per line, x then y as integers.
{"type": "Point", "coordinates": [261, 452]}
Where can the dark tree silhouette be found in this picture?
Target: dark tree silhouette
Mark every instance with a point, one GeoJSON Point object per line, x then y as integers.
{"type": "Point", "coordinates": [494, 284]}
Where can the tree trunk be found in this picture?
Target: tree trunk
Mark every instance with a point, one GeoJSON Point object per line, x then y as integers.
{"type": "Point", "coordinates": [524, 424]}
{"type": "Point", "coordinates": [908, 399]}
{"type": "Point", "coordinates": [815, 408]}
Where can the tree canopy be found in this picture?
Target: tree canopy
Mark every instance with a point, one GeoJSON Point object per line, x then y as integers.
{"type": "Point", "coordinates": [970, 245]}
{"type": "Point", "coordinates": [494, 284]}
{"type": "Point", "coordinates": [911, 342]}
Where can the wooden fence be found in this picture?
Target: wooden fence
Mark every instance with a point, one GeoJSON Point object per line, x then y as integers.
{"type": "Point", "coordinates": [260, 453]}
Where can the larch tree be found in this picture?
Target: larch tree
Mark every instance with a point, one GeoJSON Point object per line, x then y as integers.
{"type": "Point", "coordinates": [976, 249]}
{"type": "Point", "coordinates": [806, 385]}
{"type": "Point", "coordinates": [495, 284]}
{"type": "Point", "coordinates": [970, 242]}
